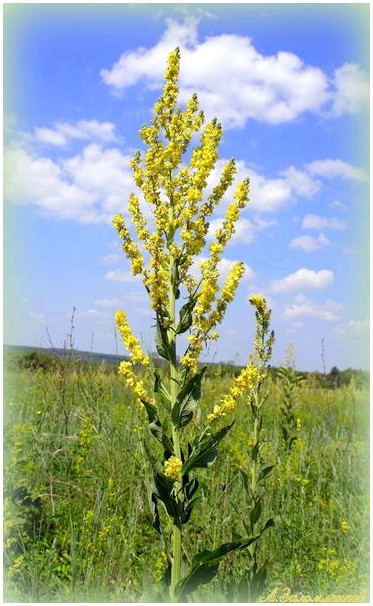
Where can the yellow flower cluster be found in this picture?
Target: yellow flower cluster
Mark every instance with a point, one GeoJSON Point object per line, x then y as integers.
{"type": "Point", "coordinates": [157, 277]}
{"type": "Point", "coordinates": [176, 196]}
{"type": "Point", "coordinates": [228, 292]}
{"type": "Point", "coordinates": [173, 467]}
{"type": "Point", "coordinates": [129, 246]}
{"type": "Point", "coordinates": [205, 320]}
{"type": "Point", "coordinates": [241, 198]}
{"type": "Point", "coordinates": [137, 218]}
{"type": "Point", "coordinates": [259, 302]}
{"type": "Point", "coordinates": [345, 527]}
{"type": "Point", "coordinates": [247, 380]}
{"type": "Point", "coordinates": [136, 385]}
{"type": "Point", "coordinates": [130, 341]}
{"type": "Point", "coordinates": [263, 343]}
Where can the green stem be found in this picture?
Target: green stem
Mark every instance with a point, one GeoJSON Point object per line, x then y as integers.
{"type": "Point", "coordinates": [176, 538]}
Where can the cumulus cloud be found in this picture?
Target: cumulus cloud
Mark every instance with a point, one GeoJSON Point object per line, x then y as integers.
{"type": "Point", "coordinates": [354, 329]}
{"type": "Point", "coordinates": [333, 168]}
{"type": "Point", "coordinates": [107, 302]}
{"type": "Point", "coordinates": [330, 311]}
{"type": "Point", "coordinates": [301, 183]}
{"type": "Point", "coordinates": [63, 132]}
{"type": "Point", "coordinates": [236, 82]}
{"type": "Point", "coordinates": [316, 222]}
{"type": "Point", "coordinates": [224, 267]}
{"type": "Point", "coordinates": [119, 275]}
{"type": "Point", "coordinates": [96, 182]}
{"type": "Point", "coordinates": [88, 187]}
{"type": "Point", "coordinates": [304, 279]}
{"type": "Point", "coordinates": [89, 314]}
{"type": "Point", "coordinates": [351, 90]}
{"type": "Point", "coordinates": [245, 229]}
{"type": "Point", "coordinates": [309, 244]}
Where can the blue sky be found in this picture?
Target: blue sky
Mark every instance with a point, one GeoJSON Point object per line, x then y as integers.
{"type": "Point", "coordinates": [288, 82]}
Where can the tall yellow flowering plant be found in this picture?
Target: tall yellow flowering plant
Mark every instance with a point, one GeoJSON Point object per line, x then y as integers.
{"type": "Point", "coordinates": [163, 253]}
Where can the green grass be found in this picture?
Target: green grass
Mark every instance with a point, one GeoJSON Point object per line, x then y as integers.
{"type": "Point", "coordinates": [77, 485]}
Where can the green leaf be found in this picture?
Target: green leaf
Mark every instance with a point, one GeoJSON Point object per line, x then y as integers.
{"type": "Point", "coordinates": [205, 565]}
{"type": "Point", "coordinates": [185, 317]}
{"type": "Point", "coordinates": [264, 472]}
{"type": "Point", "coordinates": [206, 450]}
{"type": "Point", "coordinates": [187, 400]}
{"type": "Point", "coordinates": [164, 486]}
{"type": "Point", "coordinates": [255, 513]}
{"type": "Point", "coordinates": [255, 450]}
{"type": "Point", "coordinates": [158, 429]}
{"type": "Point", "coordinates": [151, 410]}
{"type": "Point", "coordinates": [245, 480]}
{"type": "Point", "coordinates": [159, 387]}
{"type": "Point", "coordinates": [193, 493]}
{"type": "Point", "coordinates": [162, 343]}
{"type": "Point", "coordinates": [154, 507]}
{"type": "Point", "coordinates": [269, 523]}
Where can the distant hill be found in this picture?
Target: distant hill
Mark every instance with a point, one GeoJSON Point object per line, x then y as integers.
{"type": "Point", "coordinates": [61, 353]}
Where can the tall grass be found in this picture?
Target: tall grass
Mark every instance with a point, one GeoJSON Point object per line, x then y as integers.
{"type": "Point", "coordinates": [78, 518]}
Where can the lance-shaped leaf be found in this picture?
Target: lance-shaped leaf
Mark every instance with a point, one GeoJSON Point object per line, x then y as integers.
{"type": "Point", "coordinates": [192, 494]}
{"type": "Point", "coordinates": [185, 317]}
{"type": "Point", "coordinates": [205, 565]}
{"type": "Point", "coordinates": [205, 452]}
{"type": "Point", "coordinates": [264, 472]}
{"type": "Point", "coordinates": [255, 513]}
{"type": "Point", "coordinates": [187, 400]}
{"type": "Point", "coordinates": [162, 343]}
{"type": "Point", "coordinates": [158, 429]}
{"type": "Point", "coordinates": [159, 388]}
{"type": "Point", "coordinates": [155, 512]}
{"type": "Point", "coordinates": [164, 486]}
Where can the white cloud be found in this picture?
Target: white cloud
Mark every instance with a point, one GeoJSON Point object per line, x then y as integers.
{"type": "Point", "coordinates": [224, 267]}
{"type": "Point", "coordinates": [119, 275]}
{"type": "Point", "coordinates": [82, 130]}
{"type": "Point", "coordinates": [304, 279]}
{"type": "Point", "coordinates": [95, 183]}
{"type": "Point", "coordinates": [330, 311]}
{"type": "Point", "coordinates": [111, 258]}
{"type": "Point", "coordinates": [332, 168]}
{"type": "Point", "coordinates": [301, 183]}
{"type": "Point", "coordinates": [354, 329]}
{"type": "Point", "coordinates": [107, 302]}
{"type": "Point", "coordinates": [89, 314]}
{"type": "Point", "coordinates": [351, 90]}
{"type": "Point", "coordinates": [316, 222]}
{"type": "Point", "coordinates": [309, 244]}
{"type": "Point", "coordinates": [89, 187]}
{"type": "Point", "coordinates": [337, 205]}
{"type": "Point", "coordinates": [235, 81]}
{"type": "Point", "coordinates": [245, 229]}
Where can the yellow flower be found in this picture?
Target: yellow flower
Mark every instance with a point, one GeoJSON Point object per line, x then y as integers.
{"type": "Point", "coordinates": [130, 341]}
{"type": "Point", "coordinates": [259, 302]}
{"type": "Point", "coordinates": [299, 424]}
{"type": "Point", "coordinates": [136, 385]}
{"type": "Point", "coordinates": [172, 468]}
{"type": "Point", "coordinates": [345, 527]}
{"type": "Point", "coordinates": [130, 247]}
{"type": "Point", "coordinates": [247, 380]}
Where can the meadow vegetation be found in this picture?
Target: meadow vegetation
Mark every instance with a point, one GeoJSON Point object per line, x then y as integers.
{"type": "Point", "coordinates": [183, 481]}
{"type": "Point", "coordinates": [78, 522]}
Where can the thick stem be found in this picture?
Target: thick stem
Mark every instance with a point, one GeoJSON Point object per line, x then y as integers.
{"type": "Point", "coordinates": [176, 538]}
